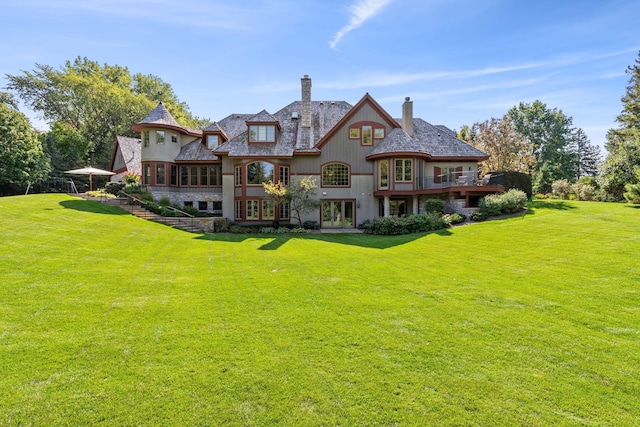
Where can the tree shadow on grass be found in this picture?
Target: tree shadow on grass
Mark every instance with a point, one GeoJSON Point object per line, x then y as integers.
{"type": "Point", "coordinates": [633, 206]}
{"type": "Point", "coordinates": [559, 205]}
{"type": "Point", "coordinates": [93, 207]}
{"type": "Point", "coordinates": [353, 239]}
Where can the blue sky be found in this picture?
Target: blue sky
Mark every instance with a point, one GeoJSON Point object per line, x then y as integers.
{"type": "Point", "coordinates": [460, 61]}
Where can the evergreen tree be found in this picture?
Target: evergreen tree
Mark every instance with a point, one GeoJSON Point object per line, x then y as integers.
{"type": "Point", "coordinates": [623, 143]}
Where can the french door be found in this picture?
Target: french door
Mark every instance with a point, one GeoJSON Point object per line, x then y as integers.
{"type": "Point", "coordinates": [337, 214]}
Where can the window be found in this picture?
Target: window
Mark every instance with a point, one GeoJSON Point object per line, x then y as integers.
{"type": "Point", "coordinates": [238, 175]}
{"type": "Point", "coordinates": [174, 175]}
{"type": "Point", "coordinates": [383, 177]}
{"type": "Point", "coordinates": [268, 209]}
{"type": "Point", "coordinates": [403, 170]}
{"type": "Point", "coordinates": [193, 180]}
{"type": "Point", "coordinates": [204, 176]}
{"type": "Point", "coordinates": [160, 174]}
{"type": "Point", "coordinates": [284, 210]}
{"type": "Point", "coordinates": [449, 175]}
{"type": "Point", "coordinates": [159, 137]}
{"type": "Point", "coordinates": [335, 175]}
{"type": "Point", "coordinates": [203, 206]}
{"type": "Point", "coordinates": [238, 210]}
{"type": "Point", "coordinates": [366, 132]}
{"type": "Point", "coordinates": [145, 138]}
{"type": "Point", "coordinates": [259, 172]}
{"type": "Point", "coordinates": [216, 205]}
{"type": "Point", "coordinates": [215, 175]}
{"type": "Point", "coordinates": [212, 141]}
{"type": "Point", "coordinates": [284, 175]}
{"type": "Point", "coordinates": [147, 174]}
{"type": "Point", "coordinates": [188, 204]}
{"type": "Point", "coordinates": [184, 176]}
{"type": "Point", "coordinates": [367, 135]}
{"type": "Point", "coordinates": [252, 209]}
{"type": "Point", "coordinates": [174, 138]}
{"type": "Point", "coordinates": [262, 133]}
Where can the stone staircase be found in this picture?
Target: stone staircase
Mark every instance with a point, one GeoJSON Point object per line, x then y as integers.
{"type": "Point", "coordinates": [191, 225]}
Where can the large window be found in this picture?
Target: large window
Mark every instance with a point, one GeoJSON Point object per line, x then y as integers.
{"type": "Point", "coordinates": [403, 170]}
{"type": "Point", "coordinates": [159, 137]}
{"type": "Point", "coordinates": [449, 175]}
{"type": "Point", "coordinates": [259, 172]}
{"type": "Point", "coordinates": [262, 133]}
{"type": "Point", "coordinates": [252, 209]}
{"type": "Point", "coordinates": [284, 210]}
{"type": "Point", "coordinates": [268, 209]}
{"type": "Point", "coordinates": [335, 175]}
{"type": "Point", "coordinates": [160, 176]}
{"type": "Point", "coordinates": [146, 177]}
{"type": "Point", "coordinates": [200, 176]}
{"type": "Point", "coordinates": [145, 138]}
{"type": "Point", "coordinates": [238, 210]}
{"type": "Point", "coordinates": [284, 175]}
{"type": "Point", "coordinates": [174, 175]}
{"type": "Point", "coordinates": [383, 176]}
{"type": "Point", "coordinates": [366, 132]}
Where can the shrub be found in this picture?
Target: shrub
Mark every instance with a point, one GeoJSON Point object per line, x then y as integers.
{"type": "Point", "coordinates": [133, 189]}
{"type": "Point", "coordinates": [509, 202]}
{"type": "Point", "coordinates": [190, 210]}
{"type": "Point", "coordinates": [393, 225]}
{"type": "Point", "coordinates": [478, 216]}
{"type": "Point", "coordinates": [539, 196]}
{"type": "Point", "coordinates": [454, 218]}
{"type": "Point", "coordinates": [310, 225]}
{"type": "Point", "coordinates": [434, 205]}
{"type": "Point", "coordinates": [299, 230]}
{"type": "Point", "coordinates": [512, 179]}
{"type": "Point", "coordinates": [583, 191]}
{"type": "Point", "coordinates": [220, 225]}
{"type": "Point", "coordinates": [131, 178]}
{"type": "Point", "coordinates": [164, 201]}
{"type": "Point", "coordinates": [561, 189]}
{"type": "Point", "coordinates": [114, 187]}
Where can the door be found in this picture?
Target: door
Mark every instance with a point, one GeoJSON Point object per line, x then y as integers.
{"type": "Point", "coordinates": [337, 214]}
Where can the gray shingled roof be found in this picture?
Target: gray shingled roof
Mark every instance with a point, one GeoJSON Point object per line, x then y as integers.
{"type": "Point", "coordinates": [428, 139]}
{"type": "Point", "coordinates": [195, 151]}
{"type": "Point", "coordinates": [263, 116]}
{"type": "Point", "coordinates": [131, 149]}
{"type": "Point", "coordinates": [160, 115]}
{"type": "Point", "coordinates": [292, 137]}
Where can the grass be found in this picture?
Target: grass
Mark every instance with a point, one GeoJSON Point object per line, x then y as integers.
{"type": "Point", "coordinates": [106, 319]}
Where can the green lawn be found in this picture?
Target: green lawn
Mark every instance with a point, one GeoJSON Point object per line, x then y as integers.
{"type": "Point", "coordinates": [106, 319]}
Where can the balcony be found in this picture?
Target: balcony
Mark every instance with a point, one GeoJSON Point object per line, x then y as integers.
{"type": "Point", "coordinates": [468, 179]}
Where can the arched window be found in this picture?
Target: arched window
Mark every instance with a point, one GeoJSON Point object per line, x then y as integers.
{"type": "Point", "coordinates": [335, 175]}
{"type": "Point", "coordinates": [259, 172]}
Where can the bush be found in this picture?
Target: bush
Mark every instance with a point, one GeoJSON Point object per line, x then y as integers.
{"type": "Point", "coordinates": [539, 196]}
{"type": "Point", "coordinates": [310, 225]}
{"type": "Point", "coordinates": [561, 189]}
{"type": "Point", "coordinates": [454, 218]}
{"type": "Point", "coordinates": [114, 187]}
{"type": "Point", "coordinates": [393, 225]}
{"type": "Point", "coordinates": [478, 216]}
{"type": "Point", "coordinates": [513, 180]}
{"type": "Point", "coordinates": [190, 210]}
{"type": "Point", "coordinates": [164, 201]}
{"type": "Point", "coordinates": [583, 191]}
{"type": "Point", "coordinates": [434, 205]}
{"type": "Point", "coordinates": [510, 202]}
{"type": "Point", "coordinates": [220, 225]}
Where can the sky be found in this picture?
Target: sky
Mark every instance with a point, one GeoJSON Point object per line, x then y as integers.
{"type": "Point", "coordinates": [460, 61]}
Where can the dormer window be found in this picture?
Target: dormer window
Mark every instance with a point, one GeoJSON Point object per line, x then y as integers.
{"type": "Point", "coordinates": [262, 133]}
{"type": "Point", "coordinates": [212, 141]}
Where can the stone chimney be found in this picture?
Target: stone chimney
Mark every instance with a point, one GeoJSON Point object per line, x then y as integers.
{"type": "Point", "coordinates": [407, 116]}
{"type": "Point", "coordinates": [305, 114]}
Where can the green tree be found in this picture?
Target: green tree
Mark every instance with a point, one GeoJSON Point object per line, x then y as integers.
{"type": "Point", "coordinates": [588, 155]}
{"type": "Point", "coordinates": [299, 194]}
{"type": "Point", "coordinates": [552, 136]}
{"type": "Point", "coordinates": [507, 150]}
{"type": "Point", "coordinates": [22, 160]}
{"type": "Point", "coordinates": [623, 143]}
{"type": "Point", "coordinates": [97, 101]}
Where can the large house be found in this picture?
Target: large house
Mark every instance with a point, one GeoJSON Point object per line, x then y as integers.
{"type": "Point", "coordinates": [365, 162]}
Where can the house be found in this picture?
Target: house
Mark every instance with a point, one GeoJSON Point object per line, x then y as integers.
{"type": "Point", "coordinates": [365, 162]}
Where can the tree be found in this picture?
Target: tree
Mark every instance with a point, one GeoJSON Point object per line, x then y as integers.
{"type": "Point", "coordinates": [299, 194]}
{"type": "Point", "coordinates": [588, 155]}
{"type": "Point", "coordinates": [22, 160]}
{"type": "Point", "coordinates": [552, 136]}
{"type": "Point", "coordinates": [623, 143]}
{"type": "Point", "coordinates": [507, 150]}
{"type": "Point", "coordinates": [97, 101]}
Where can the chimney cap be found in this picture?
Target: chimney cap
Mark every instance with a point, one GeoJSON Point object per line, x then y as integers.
{"type": "Point", "coordinates": [407, 98]}
{"type": "Point", "coordinates": [306, 76]}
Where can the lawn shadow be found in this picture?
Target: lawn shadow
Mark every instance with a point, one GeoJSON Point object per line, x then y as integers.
{"type": "Point", "coordinates": [559, 205]}
{"type": "Point", "coordinates": [633, 206]}
{"type": "Point", "coordinates": [353, 239]}
{"type": "Point", "coordinates": [92, 206]}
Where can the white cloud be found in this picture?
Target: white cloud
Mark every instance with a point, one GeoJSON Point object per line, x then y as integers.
{"type": "Point", "coordinates": [361, 11]}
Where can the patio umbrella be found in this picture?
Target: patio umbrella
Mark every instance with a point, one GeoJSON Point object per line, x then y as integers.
{"type": "Point", "coordinates": [89, 170]}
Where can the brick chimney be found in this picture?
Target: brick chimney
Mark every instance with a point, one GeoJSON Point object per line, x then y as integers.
{"type": "Point", "coordinates": [407, 116]}
{"type": "Point", "coordinates": [305, 114]}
